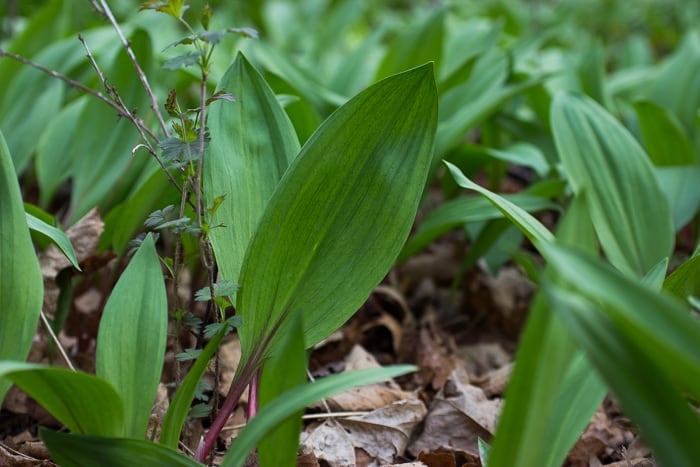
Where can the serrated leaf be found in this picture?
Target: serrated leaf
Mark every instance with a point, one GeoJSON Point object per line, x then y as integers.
{"type": "Point", "coordinates": [253, 142]}
{"type": "Point", "coordinates": [222, 288]}
{"type": "Point", "coordinates": [182, 61]}
{"type": "Point", "coordinates": [132, 335]}
{"type": "Point", "coordinates": [341, 213]}
{"type": "Point", "coordinates": [82, 402]}
{"type": "Point", "coordinates": [22, 290]}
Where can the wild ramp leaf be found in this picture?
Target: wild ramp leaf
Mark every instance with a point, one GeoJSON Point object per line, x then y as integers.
{"type": "Point", "coordinates": [628, 209]}
{"type": "Point", "coordinates": [82, 402]}
{"type": "Point", "coordinates": [131, 338]}
{"type": "Point", "coordinates": [252, 144]}
{"type": "Point", "coordinates": [342, 211]}
{"type": "Point", "coordinates": [22, 289]}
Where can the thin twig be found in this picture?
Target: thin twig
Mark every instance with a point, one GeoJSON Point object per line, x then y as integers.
{"type": "Point", "coordinates": [311, 416]}
{"type": "Point", "coordinates": [49, 329]}
{"type": "Point", "coordinates": [66, 79]}
{"type": "Point", "coordinates": [105, 11]}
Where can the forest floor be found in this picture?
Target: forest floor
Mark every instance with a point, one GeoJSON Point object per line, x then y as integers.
{"type": "Point", "coordinates": [460, 329]}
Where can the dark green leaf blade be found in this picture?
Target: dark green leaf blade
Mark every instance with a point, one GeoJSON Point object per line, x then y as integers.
{"type": "Point", "coordinates": [252, 144]}
{"type": "Point", "coordinates": [22, 288]}
{"type": "Point", "coordinates": [132, 335]}
{"type": "Point", "coordinates": [82, 402]}
{"type": "Point", "coordinates": [88, 451]}
{"type": "Point", "coordinates": [342, 211]}
{"type": "Point", "coordinates": [283, 371]}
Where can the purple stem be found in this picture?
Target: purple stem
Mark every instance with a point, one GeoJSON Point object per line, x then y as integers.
{"type": "Point", "coordinates": [253, 396]}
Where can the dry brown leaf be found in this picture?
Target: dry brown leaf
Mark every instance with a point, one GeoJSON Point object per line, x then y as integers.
{"type": "Point", "coordinates": [229, 358]}
{"type": "Point", "coordinates": [331, 444]}
{"type": "Point", "coordinates": [458, 416]}
{"type": "Point", "coordinates": [434, 354]}
{"type": "Point", "coordinates": [368, 397]}
{"type": "Point", "coordinates": [384, 433]}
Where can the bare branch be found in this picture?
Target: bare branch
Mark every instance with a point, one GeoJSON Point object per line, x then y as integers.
{"type": "Point", "coordinates": [103, 9]}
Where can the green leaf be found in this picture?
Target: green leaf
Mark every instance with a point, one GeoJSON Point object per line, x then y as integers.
{"type": "Point", "coordinates": [531, 227]}
{"type": "Point", "coordinates": [104, 168]}
{"type": "Point", "coordinates": [252, 145]}
{"type": "Point", "coordinates": [601, 158]}
{"type": "Point", "coordinates": [682, 190]}
{"type": "Point", "coordinates": [132, 335]}
{"type": "Point", "coordinates": [182, 399]}
{"type": "Point", "coordinates": [464, 210]}
{"type": "Point", "coordinates": [683, 282]}
{"type": "Point", "coordinates": [182, 61]}
{"type": "Point", "coordinates": [56, 235]}
{"type": "Point", "coordinates": [643, 385]}
{"type": "Point", "coordinates": [88, 451]}
{"type": "Point", "coordinates": [22, 290]}
{"type": "Point", "coordinates": [82, 402]}
{"type": "Point", "coordinates": [416, 44]}
{"type": "Point", "coordinates": [298, 398]}
{"type": "Point", "coordinates": [54, 159]}
{"type": "Point", "coordinates": [553, 391]}
{"type": "Point", "coordinates": [284, 370]}
{"type": "Point", "coordinates": [341, 213]}
{"type": "Point", "coordinates": [664, 137]}
{"type": "Point", "coordinates": [658, 323]}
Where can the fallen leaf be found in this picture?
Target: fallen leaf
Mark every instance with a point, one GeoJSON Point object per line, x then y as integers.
{"type": "Point", "coordinates": [331, 444]}
{"type": "Point", "coordinates": [457, 417]}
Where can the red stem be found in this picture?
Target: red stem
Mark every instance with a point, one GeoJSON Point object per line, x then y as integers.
{"type": "Point", "coordinates": [253, 396]}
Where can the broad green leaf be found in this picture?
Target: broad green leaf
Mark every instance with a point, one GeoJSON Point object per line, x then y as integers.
{"type": "Point", "coordinates": [682, 190]}
{"type": "Point", "coordinates": [252, 144]}
{"type": "Point", "coordinates": [54, 159]}
{"type": "Point", "coordinates": [56, 235]}
{"type": "Point", "coordinates": [182, 399]}
{"type": "Point", "coordinates": [591, 73]}
{"type": "Point", "coordinates": [283, 371]}
{"type": "Point", "coordinates": [627, 207]}
{"type": "Point", "coordinates": [296, 399]}
{"type": "Point", "coordinates": [82, 402]}
{"type": "Point", "coordinates": [103, 162]}
{"type": "Point", "coordinates": [643, 385]}
{"type": "Point", "coordinates": [88, 451]}
{"type": "Point", "coordinates": [553, 390]}
{"type": "Point", "coordinates": [531, 227]}
{"type": "Point", "coordinates": [342, 211]}
{"type": "Point", "coordinates": [418, 43]}
{"type": "Point", "coordinates": [683, 282]}
{"type": "Point", "coordinates": [677, 85]}
{"type": "Point", "coordinates": [656, 322]}
{"type": "Point", "coordinates": [307, 82]}
{"type": "Point", "coordinates": [22, 290]}
{"type": "Point", "coordinates": [28, 113]}
{"type": "Point", "coordinates": [664, 137]}
{"type": "Point", "coordinates": [523, 154]}
{"type": "Point", "coordinates": [463, 210]}
{"type": "Point", "coordinates": [132, 335]}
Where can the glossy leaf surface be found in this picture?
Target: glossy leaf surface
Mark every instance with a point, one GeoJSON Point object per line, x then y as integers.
{"type": "Point", "coordinates": [342, 211]}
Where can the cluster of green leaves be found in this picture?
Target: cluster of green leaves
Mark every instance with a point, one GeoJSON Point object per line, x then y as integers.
{"type": "Point", "coordinates": [310, 194]}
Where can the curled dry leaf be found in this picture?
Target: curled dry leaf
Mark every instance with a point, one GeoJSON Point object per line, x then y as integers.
{"type": "Point", "coordinates": [457, 417]}
{"type": "Point", "coordinates": [366, 397]}
{"type": "Point", "coordinates": [381, 434]}
{"type": "Point", "coordinates": [85, 238]}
